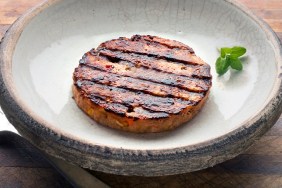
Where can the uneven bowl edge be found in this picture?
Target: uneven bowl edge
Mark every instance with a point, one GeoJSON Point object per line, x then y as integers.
{"type": "Point", "coordinates": [132, 162]}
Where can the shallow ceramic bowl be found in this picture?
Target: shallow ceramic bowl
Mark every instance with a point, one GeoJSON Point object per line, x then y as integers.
{"type": "Point", "coordinates": [41, 50]}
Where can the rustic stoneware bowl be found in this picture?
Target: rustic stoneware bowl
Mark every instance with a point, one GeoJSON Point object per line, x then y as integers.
{"type": "Point", "coordinates": [40, 51]}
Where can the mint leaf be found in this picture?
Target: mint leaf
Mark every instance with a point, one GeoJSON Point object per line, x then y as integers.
{"type": "Point", "coordinates": [237, 51]}
{"type": "Point", "coordinates": [224, 52]}
{"type": "Point", "coordinates": [236, 64]}
{"type": "Point", "coordinates": [221, 65]}
{"type": "Point", "coordinates": [227, 61]}
{"type": "Point", "coordinates": [229, 57]}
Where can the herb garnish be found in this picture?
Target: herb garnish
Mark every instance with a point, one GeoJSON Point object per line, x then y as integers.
{"type": "Point", "coordinates": [229, 57]}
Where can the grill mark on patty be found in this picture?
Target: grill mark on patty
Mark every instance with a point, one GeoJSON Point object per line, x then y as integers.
{"type": "Point", "coordinates": [190, 84]}
{"type": "Point", "coordinates": [129, 98]}
{"type": "Point", "coordinates": [163, 65]}
{"type": "Point", "coordinates": [120, 109]}
{"type": "Point", "coordinates": [162, 41]}
{"type": "Point", "coordinates": [113, 107]}
{"type": "Point", "coordinates": [150, 49]}
{"type": "Point", "coordinates": [143, 77]}
{"type": "Point", "coordinates": [142, 113]}
{"type": "Point", "coordinates": [97, 76]}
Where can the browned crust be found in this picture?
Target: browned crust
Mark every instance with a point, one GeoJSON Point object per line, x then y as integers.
{"type": "Point", "coordinates": [110, 119]}
{"type": "Point", "coordinates": [157, 49]}
{"type": "Point", "coordinates": [143, 84]}
{"type": "Point", "coordinates": [189, 83]}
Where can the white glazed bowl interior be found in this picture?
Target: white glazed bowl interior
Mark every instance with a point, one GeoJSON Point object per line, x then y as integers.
{"type": "Point", "coordinates": [51, 45]}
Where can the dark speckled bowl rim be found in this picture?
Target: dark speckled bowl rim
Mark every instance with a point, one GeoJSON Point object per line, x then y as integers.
{"type": "Point", "coordinates": [127, 161]}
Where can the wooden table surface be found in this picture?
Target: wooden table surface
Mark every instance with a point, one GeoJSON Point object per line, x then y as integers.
{"type": "Point", "coordinates": [260, 166]}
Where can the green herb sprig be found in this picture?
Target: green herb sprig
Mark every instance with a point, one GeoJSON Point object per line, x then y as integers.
{"type": "Point", "coordinates": [229, 57]}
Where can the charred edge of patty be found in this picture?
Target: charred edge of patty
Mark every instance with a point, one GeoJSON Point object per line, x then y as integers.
{"type": "Point", "coordinates": [151, 103]}
{"type": "Point", "coordinates": [94, 52]}
{"type": "Point", "coordinates": [107, 107]}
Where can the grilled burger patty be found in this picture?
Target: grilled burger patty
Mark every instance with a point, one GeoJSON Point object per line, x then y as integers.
{"type": "Point", "coordinates": [142, 84]}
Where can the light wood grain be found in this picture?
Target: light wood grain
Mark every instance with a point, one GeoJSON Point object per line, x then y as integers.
{"type": "Point", "coordinates": [260, 166]}
{"type": "Point", "coordinates": [262, 4]}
